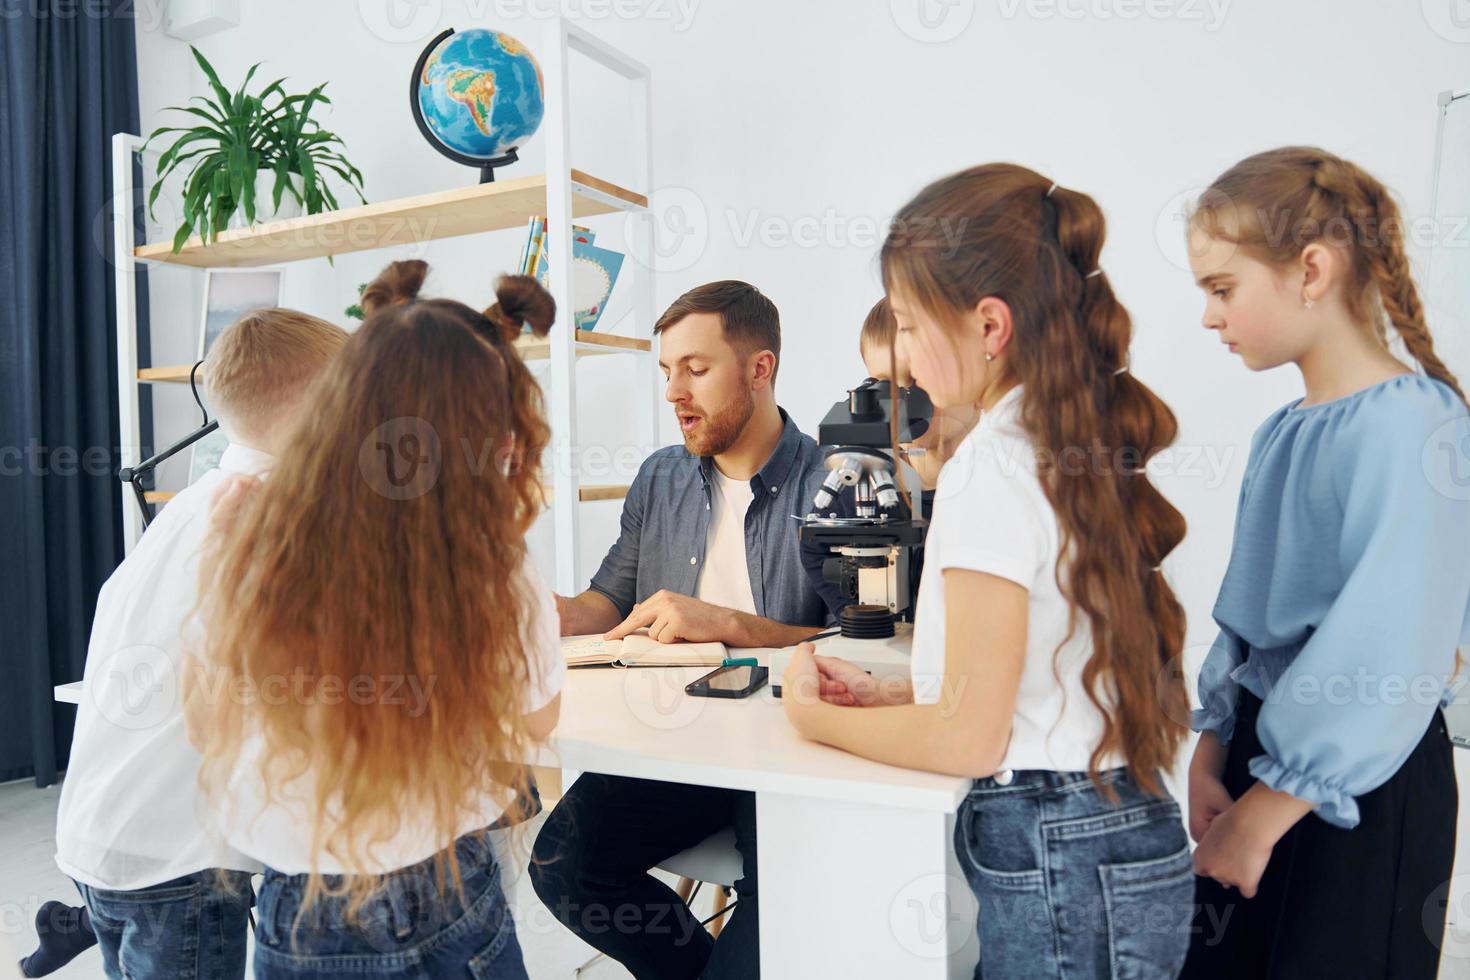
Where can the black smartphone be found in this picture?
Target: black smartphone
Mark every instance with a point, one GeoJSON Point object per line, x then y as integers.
{"type": "Point", "coordinates": [739, 681]}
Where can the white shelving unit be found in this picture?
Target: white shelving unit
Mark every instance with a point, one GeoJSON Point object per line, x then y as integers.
{"type": "Point", "coordinates": [562, 194]}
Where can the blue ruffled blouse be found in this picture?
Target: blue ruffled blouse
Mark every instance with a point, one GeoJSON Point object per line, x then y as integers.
{"type": "Point", "coordinates": [1348, 589]}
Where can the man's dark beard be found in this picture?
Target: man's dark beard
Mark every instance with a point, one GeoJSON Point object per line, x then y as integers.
{"type": "Point", "coordinates": [719, 432]}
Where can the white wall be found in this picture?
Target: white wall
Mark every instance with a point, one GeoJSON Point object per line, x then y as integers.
{"type": "Point", "coordinates": [786, 134]}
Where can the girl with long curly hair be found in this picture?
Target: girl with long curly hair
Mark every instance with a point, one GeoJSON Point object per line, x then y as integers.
{"type": "Point", "coordinates": [377, 651]}
{"type": "Point", "coordinates": [1046, 637]}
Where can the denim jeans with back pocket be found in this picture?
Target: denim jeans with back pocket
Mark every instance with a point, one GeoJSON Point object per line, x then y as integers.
{"type": "Point", "coordinates": [1072, 885]}
{"type": "Point", "coordinates": [409, 927]}
{"type": "Point", "coordinates": [190, 928]}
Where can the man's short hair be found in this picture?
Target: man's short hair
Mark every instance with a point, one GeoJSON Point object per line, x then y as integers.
{"type": "Point", "coordinates": [257, 369]}
{"type": "Point", "coordinates": [750, 320]}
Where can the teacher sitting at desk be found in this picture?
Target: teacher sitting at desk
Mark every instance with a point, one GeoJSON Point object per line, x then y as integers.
{"type": "Point", "coordinates": [707, 552]}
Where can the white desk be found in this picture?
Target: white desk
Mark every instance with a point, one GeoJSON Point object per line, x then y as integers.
{"type": "Point", "coordinates": [857, 871]}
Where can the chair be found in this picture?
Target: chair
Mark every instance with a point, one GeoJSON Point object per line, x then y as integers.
{"type": "Point", "coordinates": [714, 860]}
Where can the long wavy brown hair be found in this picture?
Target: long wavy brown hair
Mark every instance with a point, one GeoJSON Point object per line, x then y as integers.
{"type": "Point", "coordinates": [388, 543]}
{"type": "Point", "coordinates": [1276, 203]}
{"type": "Point", "coordinates": [1005, 231]}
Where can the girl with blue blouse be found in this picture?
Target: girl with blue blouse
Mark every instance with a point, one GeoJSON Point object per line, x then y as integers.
{"type": "Point", "coordinates": [1322, 792]}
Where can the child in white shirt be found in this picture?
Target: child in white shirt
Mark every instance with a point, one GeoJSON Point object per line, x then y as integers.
{"type": "Point", "coordinates": [165, 898]}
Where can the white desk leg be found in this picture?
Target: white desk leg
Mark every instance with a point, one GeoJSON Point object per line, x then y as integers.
{"type": "Point", "coordinates": [856, 891]}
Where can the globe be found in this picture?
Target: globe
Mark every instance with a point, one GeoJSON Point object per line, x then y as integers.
{"type": "Point", "coordinates": [478, 93]}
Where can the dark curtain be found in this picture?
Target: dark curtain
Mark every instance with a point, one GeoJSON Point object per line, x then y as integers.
{"type": "Point", "coordinates": [70, 82]}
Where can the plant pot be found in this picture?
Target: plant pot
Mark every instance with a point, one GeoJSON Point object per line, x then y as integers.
{"type": "Point", "coordinates": [265, 182]}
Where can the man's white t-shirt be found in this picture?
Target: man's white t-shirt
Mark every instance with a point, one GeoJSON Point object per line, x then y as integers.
{"type": "Point", "coordinates": [278, 833]}
{"type": "Point", "coordinates": [991, 515]}
{"type": "Point", "coordinates": [131, 814]}
{"type": "Point", "coordinates": [724, 580]}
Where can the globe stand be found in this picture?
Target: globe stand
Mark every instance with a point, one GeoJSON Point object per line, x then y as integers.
{"type": "Point", "coordinates": [486, 167]}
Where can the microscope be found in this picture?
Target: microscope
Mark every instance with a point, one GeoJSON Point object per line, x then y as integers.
{"type": "Point", "coordinates": [867, 514]}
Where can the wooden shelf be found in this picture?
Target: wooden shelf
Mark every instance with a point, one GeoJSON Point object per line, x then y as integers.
{"type": "Point", "coordinates": [588, 491]}
{"type": "Point", "coordinates": [586, 343]}
{"type": "Point", "coordinates": [531, 349]}
{"type": "Point", "coordinates": [426, 217]}
{"type": "Point", "coordinates": [178, 373]}
{"type": "Point", "coordinates": [598, 491]}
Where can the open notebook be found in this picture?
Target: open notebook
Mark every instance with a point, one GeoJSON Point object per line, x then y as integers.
{"type": "Point", "coordinates": [637, 650]}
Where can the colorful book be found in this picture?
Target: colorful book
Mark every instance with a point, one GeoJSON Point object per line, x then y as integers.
{"type": "Point", "coordinates": [594, 272]}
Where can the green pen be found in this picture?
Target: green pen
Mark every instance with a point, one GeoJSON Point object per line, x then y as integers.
{"type": "Point", "coordinates": [740, 662]}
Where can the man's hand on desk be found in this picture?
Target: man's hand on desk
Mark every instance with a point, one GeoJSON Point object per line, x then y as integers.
{"type": "Point", "coordinates": [671, 617]}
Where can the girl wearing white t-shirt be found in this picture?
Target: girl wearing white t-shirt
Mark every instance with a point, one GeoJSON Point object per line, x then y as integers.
{"type": "Point", "coordinates": [379, 651]}
{"type": "Point", "coordinates": [1044, 632]}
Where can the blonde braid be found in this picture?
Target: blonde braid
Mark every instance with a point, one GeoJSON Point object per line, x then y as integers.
{"type": "Point", "coordinates": [1379, 245]}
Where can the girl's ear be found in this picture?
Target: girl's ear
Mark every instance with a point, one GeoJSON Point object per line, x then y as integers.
{"type": "Point", "coordinates": [992, 315]}
{"type": "Point", "coordinates": [1319, 266]}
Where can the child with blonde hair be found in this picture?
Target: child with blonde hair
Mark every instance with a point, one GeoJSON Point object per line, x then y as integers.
{"type": "Point", "coordinates": [165, 897]}
{"type": "Point", "coordinates": [1322, 792]}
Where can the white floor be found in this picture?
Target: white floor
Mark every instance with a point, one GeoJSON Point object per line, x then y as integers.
{"type": "Point", "coordinates": [29, 878]}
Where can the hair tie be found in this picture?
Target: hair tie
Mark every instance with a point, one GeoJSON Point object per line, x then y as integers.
{"type": "Point", "coordinates": [1093, 273]}
{"type": "Point", "coordinates": [1121, 370]}
{"type": "Point", "coordinates": [1051, 188]}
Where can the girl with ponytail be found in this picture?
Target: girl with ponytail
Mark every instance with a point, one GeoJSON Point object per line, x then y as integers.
{"type": "Point", "coordinates": [1046, 637]}
{"type": "Point", "coordinates": [1322, 787]}
{"type": "Point", "coordinates": [376, 602]}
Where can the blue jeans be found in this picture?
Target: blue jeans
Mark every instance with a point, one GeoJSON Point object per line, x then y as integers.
{"type": "Point", "coordinates": [191, 928]}
{"type": "Point", "coordinates": [410, 927]}
{"type": "Point", "coordinates": [1071, 885]}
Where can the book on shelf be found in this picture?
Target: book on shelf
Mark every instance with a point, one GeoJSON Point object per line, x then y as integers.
{"type": "Point", "coordinates": [639, 650]}
{"type": "Point", "coordinates": [594, 269]}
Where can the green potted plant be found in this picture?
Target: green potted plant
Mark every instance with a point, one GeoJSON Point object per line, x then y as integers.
{"type": "Point", "coordinates": [250, 155]}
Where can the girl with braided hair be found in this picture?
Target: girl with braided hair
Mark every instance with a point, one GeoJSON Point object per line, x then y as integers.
{"type": "Point", "coordinates": [1044, 632]}
{"type": "Point", "coordinates": [1322, 786]}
